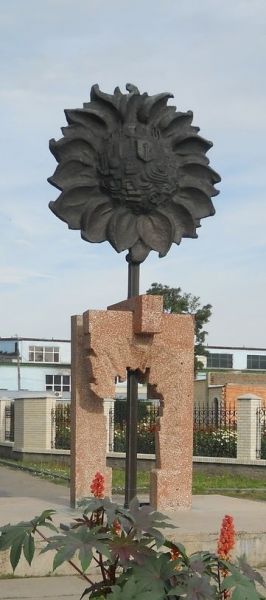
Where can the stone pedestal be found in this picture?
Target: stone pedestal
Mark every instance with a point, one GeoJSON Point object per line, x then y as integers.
{"type": "Point", "coordinates": [134, 334]}
{"type": "Point", "coordinates": [33, 423]}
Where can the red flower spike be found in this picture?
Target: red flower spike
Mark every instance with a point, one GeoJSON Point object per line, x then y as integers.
{"type": "Point", "coordinates": [226, 540]}
{"type": "Point", "coordinates": [117, 527]}
{"type": "Point", "coordinates": [174, 553]}
{"type": "Point", "coordinates": [97, 486]}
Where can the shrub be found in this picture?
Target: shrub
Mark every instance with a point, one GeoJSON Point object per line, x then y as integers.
{"type": "Point", "coordinates": [134, 559]}
{"type": "Point", "coordinates": [147, 414]}
{"type": "Point", "coordinates": [220, 442]}
{"type": "Point", "coordinates": [263, 446]}
{"type": "Point", "coordinates": [61, 417]}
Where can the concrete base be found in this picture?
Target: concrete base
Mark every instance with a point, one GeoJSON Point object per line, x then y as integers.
{"type": "Point", "coordinates": [197, 529]}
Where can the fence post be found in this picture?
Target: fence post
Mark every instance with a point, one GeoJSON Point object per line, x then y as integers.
{"type": "Point", "coordinates": [247, 406]}
{"type": "Point", "coordinates": [33, 423]}
{"type": "Point", "coordinates": [108, 408]}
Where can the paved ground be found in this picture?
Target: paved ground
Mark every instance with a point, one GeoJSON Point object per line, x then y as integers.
{"type": "Point", "coordinates": [42, 588]}
{"type": "Point", "coordinates": [15, 483]}
{"type": "Point", "coordinates": [22, 496]}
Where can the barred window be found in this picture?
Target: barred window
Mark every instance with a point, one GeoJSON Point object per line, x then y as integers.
{"type": "Point", "coordinates": [57, 383]}
{"type": "Point", "coordinates": [220, 361]}
{"type": "Point", "coordinates": [47, 354]}
{"type": "Point", "coordinates": [256, 361]}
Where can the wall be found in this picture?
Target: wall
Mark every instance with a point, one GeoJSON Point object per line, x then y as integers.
{"type": "Point", "coordinates": [32, 376]}
{"type": "Point", "coordinates": [230, 376]}
{"type": "Point", "coordinates": [8, 376]}
{"type": "Point", "coordinates": [233, 390]}
{"type": "Point", "coordinates": [204, 395]}
{"type": "Point", "coordinates": [64, 349]}
{"type": "Point", "coordinates": [239, 354]}
{"type": "Point", "coordinates": [228, 391]}
{"type": "Point", "coordinates": [200, 392]}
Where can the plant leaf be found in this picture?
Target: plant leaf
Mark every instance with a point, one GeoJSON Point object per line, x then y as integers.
{"type": "Point", "coordinates": [29, 548]}
{"type": "Point", "coordinates": [82, 540]}
{"type": "Point", "coordinates": [250, 573]}
{"type": "Point", "coordinates": [126, 548]}
{"type": "Point", "coordinates": [15, 552]}
{"type": "Point", "coordinates": [145, 519]}
{"type": "Point", "coordinates": [242, 588]}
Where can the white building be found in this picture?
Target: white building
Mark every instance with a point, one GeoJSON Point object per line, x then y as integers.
{"type": "Point", "coordinates": [39, 364]}
{"type": "Point", "coordinates": [236, 358]}
{"type": "Point", "coordinates": [35, 364]}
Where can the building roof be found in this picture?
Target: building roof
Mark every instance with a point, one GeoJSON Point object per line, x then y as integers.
{"type": "Point", "coordinates": [234, 348]}
{"type": "Point", "coordinates": [31, 339]}
{"type": "Point", "coordinates": [11, 394]}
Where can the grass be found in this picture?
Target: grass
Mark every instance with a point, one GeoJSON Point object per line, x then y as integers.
{"type": "Point", "coordinates": [203, 483]}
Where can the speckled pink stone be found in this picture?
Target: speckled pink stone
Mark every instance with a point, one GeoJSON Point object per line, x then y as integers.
{"type": "Point", "coordinates": [136, 334]}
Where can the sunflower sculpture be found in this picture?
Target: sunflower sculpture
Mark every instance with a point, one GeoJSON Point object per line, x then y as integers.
{"type": "Point", "coordinates": [132, 171]}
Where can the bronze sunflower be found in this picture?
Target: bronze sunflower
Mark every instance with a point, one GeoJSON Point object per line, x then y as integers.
{"type": "Point", "coordinates": [132, 171]}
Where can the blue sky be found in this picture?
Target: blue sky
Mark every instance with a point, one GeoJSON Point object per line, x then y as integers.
{"type": "Point", "coordinates": [211, 55]}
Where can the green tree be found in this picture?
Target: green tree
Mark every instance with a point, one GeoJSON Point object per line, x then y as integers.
{"type": "Point", "coordinates": [175, 301]}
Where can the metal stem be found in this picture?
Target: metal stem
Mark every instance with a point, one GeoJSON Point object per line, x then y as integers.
{"type": "Point", "coordinates": [132, 403]}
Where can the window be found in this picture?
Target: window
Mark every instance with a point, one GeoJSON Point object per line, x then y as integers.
{"type": "Point", "coordinates": [57, 383]}
{"type": "Point", "coordinates": [47, 354]}
{"type": "Point", "coordinates": [256, 361]}
{"type": "Point", "coordinates": [220, 361]}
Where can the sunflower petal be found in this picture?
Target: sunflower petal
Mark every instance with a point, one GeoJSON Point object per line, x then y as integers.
{"type": "Point", "coordinates": [176, 122]}
{"type": "Point", "coordinates": [151, 106]}
{"type": "Point", "coordinates": [95, 220]}
{"type": "Point", "coordinates": [70, 205]}
{"type": "Point", "coordinates": [122, 229]}
{"type": "Point", "coordinates": [87, 117]}
{"type": "Point", "coordinates": [192, 145]}
{"type": "Point", "coordinates": [72, 173]}
{"type": "Point", "coordinates": [182, 221]}
{"type": "Point", "coordinates": [156, 231]}
{"type": "Point", "coordinates": [77, 148]}
{"type": "Point", "coordinates": [195, 202]}
{"type": "Point", "coordinates": [139, 252]}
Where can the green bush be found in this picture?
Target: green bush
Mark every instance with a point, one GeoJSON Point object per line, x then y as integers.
{"type": "Point", "coordinates": [263, 446]}
{"type": "Point", "coordinates": [147, 414]}
{"type": "Point", "coordinates": [145, 441]}
{"type": "Point", "coordinates": [220, 442]}
{"type": "Point", "coordinates": [61, 416]}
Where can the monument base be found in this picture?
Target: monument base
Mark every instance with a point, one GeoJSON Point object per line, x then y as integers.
{"type": "Point", "coordinates": [138, 335]}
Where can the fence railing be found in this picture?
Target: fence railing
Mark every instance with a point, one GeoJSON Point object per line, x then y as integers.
{"type": "Point", "coordinates": [148, 412]}
{"type": "Point", "coordinates": [60, 437]}
{"type": "Point", "coordinates": [215, 428]}
{"type": "Point", "coordinates": [9, 422]}
{"type": "Point", "coordinates": [261, 433]}
{"type": "Point", "coordinates": [215, 431]}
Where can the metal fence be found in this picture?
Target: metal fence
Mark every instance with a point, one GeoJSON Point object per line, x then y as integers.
{"type": "Point", "coordinates": [148, 411]}
{"type": "Point", "coordinates": [214, 434]}
{"type": "Point", "coordinates": [9, 422]}
{"type": "Point", "coordinates": [215, 431]}
{"type": "Point", "coordinates": [61, 427]}
{"type": "Point", "coordinates": [261, 433]}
